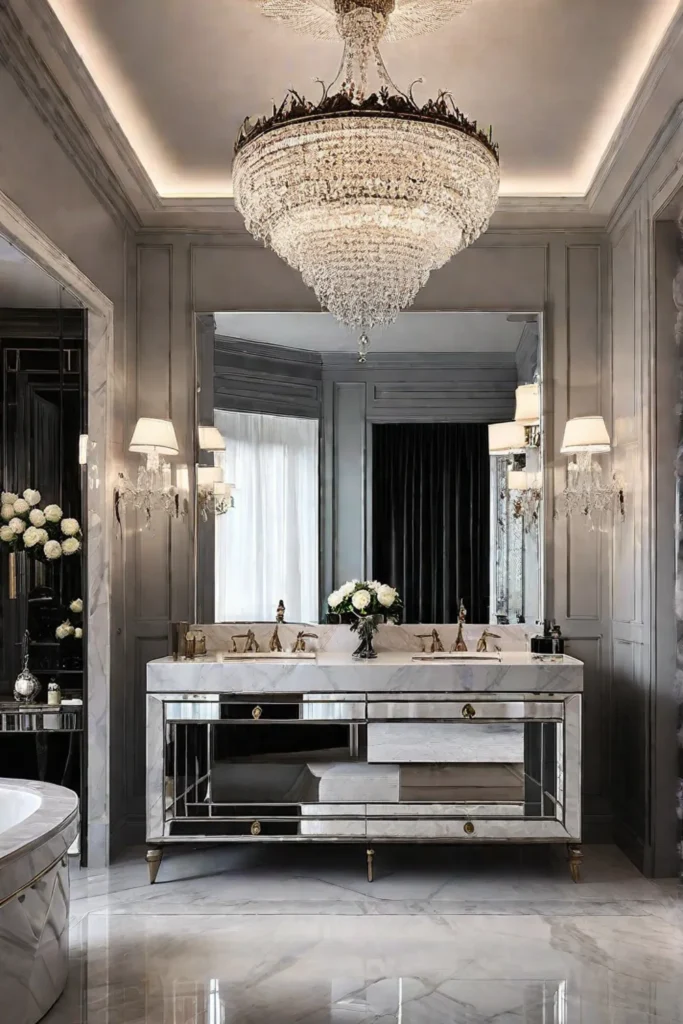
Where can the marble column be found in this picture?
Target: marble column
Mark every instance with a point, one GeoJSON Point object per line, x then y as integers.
{"type": "Point", "coordinates": [678, 299]}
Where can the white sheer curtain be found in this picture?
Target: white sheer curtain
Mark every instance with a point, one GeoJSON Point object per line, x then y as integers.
{"type": "Point", "coordinates": [267, 546]}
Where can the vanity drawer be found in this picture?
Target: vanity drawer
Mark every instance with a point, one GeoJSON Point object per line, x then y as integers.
{"type": "Point", "coordinates": [467, 710]}
{"type": "Point", "coordinates": [292, 709]}
{"type": "Point", "coordinates": [454, 742]}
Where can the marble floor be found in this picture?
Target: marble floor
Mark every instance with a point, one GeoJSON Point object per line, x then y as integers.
{"type": "Point", "coordinates": [284, 935]}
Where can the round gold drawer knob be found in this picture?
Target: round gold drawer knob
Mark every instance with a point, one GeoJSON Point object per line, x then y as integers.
{"type": "Point", "coordinates": [468, 711]}
{"type": "Point", "coordinates": [469, 828]}
{"type": "Point", "coordinates": [256, 828]}
{"type": "Point", "coordinates": [257, 712]}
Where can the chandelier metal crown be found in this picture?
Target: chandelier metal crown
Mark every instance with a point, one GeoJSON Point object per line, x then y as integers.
{"type": "Point", "coordinates": [365, 195]}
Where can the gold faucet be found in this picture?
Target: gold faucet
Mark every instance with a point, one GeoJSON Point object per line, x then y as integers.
{"type": "Point", "coordinates": [460, 644]}
{"type": "Point", "coordinates": [482, 647]}
{"type": "Point", "coordinates": [275, 643]}
{"type": "Point", "coordinates": [301, 638]}
{"type": "Point", "coordinates": [251, 643]}
{"type": "Point", "coordinates": [436, 645]}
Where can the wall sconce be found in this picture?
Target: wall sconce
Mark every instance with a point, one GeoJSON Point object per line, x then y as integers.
{"type": "Point", "coordinates": [528, 412]}
{"type": "Point", "coordinates": [507, 438]}
{"type": "Point", "coordinates": [586, 493]}
{"type": "Point", "coordinates": [153, 490]}
{"type": "Point", "coordinates": [526, 491]}
{"type": "Point", "coordinates": [210, 439]}
{"type": "Point", "coordinates": [214, 496]}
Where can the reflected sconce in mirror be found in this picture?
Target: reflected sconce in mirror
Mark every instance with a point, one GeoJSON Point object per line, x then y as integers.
{"type": "Point", "coordinates": [507, 438]}
{"type": "Point", "coordinates": [586, 493]}
{"type": "Point", "coordinates": [528, 412]}
{"type": "Point", "coordinates": [152, 490]}
{"type": "Point", "coordinates": [526, 491]}
{"type": "Point", "coordinates": [210, 439]}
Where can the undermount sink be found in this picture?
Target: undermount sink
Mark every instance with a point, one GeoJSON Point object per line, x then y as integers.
{"type": "Point", "coordinates": [458, 656]}
{"type": "Point", "coordinates": [265, 656]}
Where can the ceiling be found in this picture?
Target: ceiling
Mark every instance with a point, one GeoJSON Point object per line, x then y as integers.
{"type": "Point", "coordinates": [23, 285]}
{"type": "Point", "coordinates": [426, 332]}
{"type": "Point", "coordinates": [554, 77]}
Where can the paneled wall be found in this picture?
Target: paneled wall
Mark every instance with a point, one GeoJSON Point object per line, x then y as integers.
{"type": "Point", "coordinates": [562, 273]}
{"type": "Point", "coordinates": [643, 396]}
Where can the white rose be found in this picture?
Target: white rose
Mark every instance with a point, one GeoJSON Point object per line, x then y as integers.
{"type": "Point", "coordinates": [44, 536]}
{"type": "Point", "coordinates": [335, 599]}
{"type": "Point", "coordinates": [37, 517]}
{"type": "Point", "coordinates": [70, 546]}
{"type": "Point", "coordinates": [8, 498]}
{"type": "Point", "coordinates": [7, 512]}
{"type": "Point", "coordinates": [21, 507]}
{"type": "Point", "coordinates": [53, 549]}
{"type": "Point", "coordinates": [375, 585]}
{"type": "Point", "coordinates": [31, 537]}
{"type": "Point", "coordinates": [53, 513]}
{"type": "Point", "coordinates": [360, 600]}
{"type": "Point", "coordinates": [17, 525]}
{"type": "Point", "coordinates": [32, 497]}
{"type": "Point", "coordinates": [63, 631]}
{"type": "Point", "coordinates": [70, 527]}
{"type": "Point", "coordinates": [386, 596]}
{"type": "Point", "coordinates": [346, 589]}
{"type": "Point", "coordinates": [78, 633]}
{"type": "Point", "coordinates": [7, 535]}
{"type": "Point", "coordinates": [76, 606]}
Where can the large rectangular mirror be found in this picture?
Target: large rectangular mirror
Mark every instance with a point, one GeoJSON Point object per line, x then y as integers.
{"type": "Point", "coordinates": [422, 467]}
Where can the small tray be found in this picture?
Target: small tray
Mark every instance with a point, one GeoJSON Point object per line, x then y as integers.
{"type": "Point", "coordinates": [457, 656]}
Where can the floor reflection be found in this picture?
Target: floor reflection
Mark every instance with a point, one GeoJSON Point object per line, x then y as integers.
{"type": "Point", "coordinates": [182, 969]}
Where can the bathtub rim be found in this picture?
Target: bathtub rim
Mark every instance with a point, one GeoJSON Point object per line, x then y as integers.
{"type": "Point", "coordinates": [29, 848]}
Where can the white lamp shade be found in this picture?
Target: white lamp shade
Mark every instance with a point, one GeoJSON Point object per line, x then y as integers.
{"type": "Point", "coordinates": [517, 480]}
{"type": "Point", "coordinates": [154, 437]}
{"type": "Point", "coordinates": [585, 434]}
{"type": "Point", "coordinates": [207, 476]}
{"type": "Point", "coordinates": [211, 439]}
{"type": "Point", "coordinates": [528, 409]}
{"type": "Point", "coordinates": [506, 438]}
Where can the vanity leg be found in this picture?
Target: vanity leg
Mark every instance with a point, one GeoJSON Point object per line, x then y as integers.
{"type": "Point", "coordinates": [575, 857]}
{"type": "Point", "coordinates": [371, 865]}
{"type": "Point", "coordinates": [153, 858]}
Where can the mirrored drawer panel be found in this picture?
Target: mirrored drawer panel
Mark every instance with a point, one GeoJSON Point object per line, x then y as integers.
{"type": "Point", "coordinates": [445, 743]}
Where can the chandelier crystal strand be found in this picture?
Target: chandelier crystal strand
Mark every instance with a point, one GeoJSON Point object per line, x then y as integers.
{"type": "Point", "coordinates": [409, 18]}
{"type": "Point", "coordinates": [587, 494]}
{"type": "Point", "coordinates": [365, 196]}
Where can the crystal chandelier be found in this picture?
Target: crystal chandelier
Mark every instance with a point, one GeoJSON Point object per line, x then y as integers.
{"type": "Point", "coordinates": [526, 494]}
{"type": "Point", "coordinates": [363, 194]}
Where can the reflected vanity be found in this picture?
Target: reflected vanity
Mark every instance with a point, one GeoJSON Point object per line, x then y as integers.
{"type": "Point", "coordinates": [455, 732]}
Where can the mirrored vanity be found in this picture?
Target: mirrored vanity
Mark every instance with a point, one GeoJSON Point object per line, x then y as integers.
{"type": "Point", "coordinates": [421, 468]}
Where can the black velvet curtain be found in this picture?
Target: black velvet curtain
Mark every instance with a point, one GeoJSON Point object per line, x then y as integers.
{"type": "Point", "coordinates": [430, 517]}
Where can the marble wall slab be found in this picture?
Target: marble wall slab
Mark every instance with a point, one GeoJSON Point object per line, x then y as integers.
{"type": "Point", "coordinates": [335, 638]}
{"type": "Point", "coordinates": [678, 689]}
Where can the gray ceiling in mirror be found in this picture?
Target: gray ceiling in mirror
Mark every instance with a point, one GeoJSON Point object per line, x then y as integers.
{"type": "Point", "coordinates": [429, 368]}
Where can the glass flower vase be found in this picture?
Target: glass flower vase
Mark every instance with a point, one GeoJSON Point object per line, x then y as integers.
{"type": "Point", "coordinates": [366, 627]}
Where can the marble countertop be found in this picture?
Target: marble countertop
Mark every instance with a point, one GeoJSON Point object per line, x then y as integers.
{"type": "Point", "coordinates": [516, 672]}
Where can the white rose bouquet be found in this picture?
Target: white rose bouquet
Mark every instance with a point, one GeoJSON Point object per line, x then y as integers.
{"type": "Point", "coordinates": [362, 597]}
{"type": "Point", "coordinates": [368, 602]}
{"type": "Point", "coordinates": [45, 534]}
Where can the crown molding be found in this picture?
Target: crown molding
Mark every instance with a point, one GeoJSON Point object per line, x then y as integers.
{"type": "Point", "coordinates": [632, 116]}
{"type": "Point", "coordinates": [22, 57]}
{"type": "Point", "coordinates": [43, 60]}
